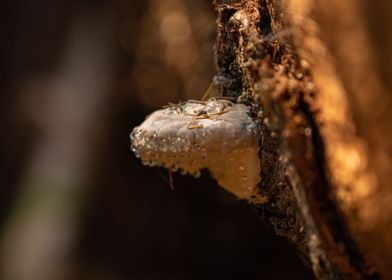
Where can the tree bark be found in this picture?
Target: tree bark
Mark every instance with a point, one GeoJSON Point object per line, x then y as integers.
{"type": "Point", "coordinates": [310, 69]}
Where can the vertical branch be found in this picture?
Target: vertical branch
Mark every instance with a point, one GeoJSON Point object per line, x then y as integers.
{"type": "Point", "coordinates": [270, 53]}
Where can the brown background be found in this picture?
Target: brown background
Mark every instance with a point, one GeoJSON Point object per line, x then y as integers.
{"type": "Point", "coordinates": [130, 225]}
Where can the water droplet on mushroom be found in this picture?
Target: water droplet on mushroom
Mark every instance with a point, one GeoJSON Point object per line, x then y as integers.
{"type": "Point", "coordinates": [197, 174]}
{"type": "Point", "coordinates": [183, 172]}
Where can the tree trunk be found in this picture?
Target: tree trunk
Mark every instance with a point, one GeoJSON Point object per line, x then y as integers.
{"type": "Point", "coordinates": [314, 69]}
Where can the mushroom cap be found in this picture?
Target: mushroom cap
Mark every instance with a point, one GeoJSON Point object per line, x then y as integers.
{"type": "Point", "coordinates": [216, 134]}
{"type": "Point", "coordinates": [194, 125]}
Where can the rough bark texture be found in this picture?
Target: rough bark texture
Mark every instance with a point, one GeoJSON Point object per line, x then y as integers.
{"type": "Point", "coordinates": [310, 67]}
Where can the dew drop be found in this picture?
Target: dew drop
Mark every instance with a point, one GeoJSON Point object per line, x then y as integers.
{"type": "Point", "coordinates": [197, 174]}
{"type": "Point", "coordinates": [183, 172]}
{"type": "Point", "coordinates": [148, 163]}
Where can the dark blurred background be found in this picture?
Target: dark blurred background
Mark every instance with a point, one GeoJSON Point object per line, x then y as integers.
{"type": "Point", "coordinates": [75, 203]}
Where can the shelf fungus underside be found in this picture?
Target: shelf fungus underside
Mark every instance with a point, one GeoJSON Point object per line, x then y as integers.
{"type": "Point", "coordinates": [217, 134]}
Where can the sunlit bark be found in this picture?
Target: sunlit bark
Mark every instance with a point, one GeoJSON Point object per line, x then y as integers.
{"type": "Point", "coordinates": [325, 154]}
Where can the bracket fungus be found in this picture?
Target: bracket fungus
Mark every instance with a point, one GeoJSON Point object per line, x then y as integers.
{"type": "Point", "coordinates": [216, 134]}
